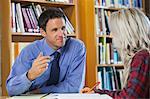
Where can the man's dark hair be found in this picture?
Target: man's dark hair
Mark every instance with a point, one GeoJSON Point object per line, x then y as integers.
{"type": "Point", "coordinates": [50, 13]}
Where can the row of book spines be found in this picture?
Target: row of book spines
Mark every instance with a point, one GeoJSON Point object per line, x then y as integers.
{"type": "Point", "coordinates": [119, 3]}
{"type": "Point", "coordinates": [110, 78]}
{"type": "Point", "coordinates": [65, 1]}
{"type": "Point", "coordinates": [24, 18]}
{"type": "Point", "coordinates": [107, 54]}
{"type": "Point", "coordinates": [101, 21]}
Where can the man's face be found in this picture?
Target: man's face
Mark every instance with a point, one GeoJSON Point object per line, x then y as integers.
{"type": "Point", "coordinates": [55, 33]}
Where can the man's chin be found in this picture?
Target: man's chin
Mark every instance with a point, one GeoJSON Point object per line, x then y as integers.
{"type": "Point", "coordinates": [61, 45]}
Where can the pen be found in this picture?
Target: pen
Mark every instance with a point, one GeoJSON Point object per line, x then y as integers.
{"type": "Point", "coordinates": [44, 95]}
{"type": "Point", "coordinates": [94, 86]}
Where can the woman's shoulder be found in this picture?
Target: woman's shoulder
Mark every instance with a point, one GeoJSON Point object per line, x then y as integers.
{"type": "Point", "coordinates": [142, 54]}
{"type": "Point", "coordinates": [141, 58]}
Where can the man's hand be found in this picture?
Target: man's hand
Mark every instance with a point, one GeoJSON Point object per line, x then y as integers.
{"type": "Point", "coordinates": [86, 90]}
{"type": "Point", "coordinates": [36, 91]}
{"type": "Point", "coordinates": [39, 66]}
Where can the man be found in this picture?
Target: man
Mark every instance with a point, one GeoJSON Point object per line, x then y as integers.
{"type": "Point", "coordinates": [35, 68]}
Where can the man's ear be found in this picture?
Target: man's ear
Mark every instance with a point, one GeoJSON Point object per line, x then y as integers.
{"type": "Point", "coordinates": [43, 33]}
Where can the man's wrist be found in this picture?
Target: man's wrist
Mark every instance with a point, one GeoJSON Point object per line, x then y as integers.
{"type": "Point", "coordinates": [29, 76]}
{"type": "Point", "coordinates": [35, 91]}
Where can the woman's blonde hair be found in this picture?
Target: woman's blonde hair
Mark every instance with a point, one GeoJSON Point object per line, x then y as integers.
{"type": "Point", "coordinates": [131, 31]}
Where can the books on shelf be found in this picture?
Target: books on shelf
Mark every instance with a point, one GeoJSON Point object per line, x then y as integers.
{"type": "Point", "coordinates": [119, 3]}
{"type": "Point", "coordinates": [13, 17]}
{"type": "Point", "coordinates": [69, 26]}
{"type": "Point", "coordinates": [65, 1]}
{"type": "Point", "coordinates": [25, 18]}
{"type": "Point", "coordinates": [19, 17]}
{"type": "Point", "coordinates": [107, 54]}
{"type": "Point", "coordinates": [101, 21]}
{"type": "Point", "coordinates": [108, 58]}
{"type": "Point", "coordinates": [108, 74]}
{"type": "Point", "coordinates": [110, 78]}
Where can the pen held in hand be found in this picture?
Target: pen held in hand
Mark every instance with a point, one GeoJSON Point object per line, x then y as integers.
{"type": "Point", "coordinates": [94, 86]}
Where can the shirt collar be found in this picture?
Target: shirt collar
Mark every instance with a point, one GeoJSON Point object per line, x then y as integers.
{"type": "Point", "coordinates": [48, 50]}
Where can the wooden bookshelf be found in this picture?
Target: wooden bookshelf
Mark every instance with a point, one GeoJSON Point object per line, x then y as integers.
{"type": "Point", "coordinates": [88, 34]}
{"type": "Point", "coordinates": [29, 37]}
{"type": "Point", "coordinates": [107, 8]}
{"type": "Point", "coordinates": [53, 4]}
{"type": "Point", "coordinates": [25, 37]}
{"type": "Point", "coordinates": [8, 36]}
{"type": "Point", "coordinates": [107, 38]}
{"type": "Point", "coordinates": [0, 41]}
{"type": "Point", "coordinates": [147, 8]}
{"type": "Point", "coordinates": [105, 65]}
{"type": "Point", "coordinates": [6, 43]}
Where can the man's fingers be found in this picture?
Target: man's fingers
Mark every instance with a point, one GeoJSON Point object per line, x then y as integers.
{"type": "Point", "coordinates": [43, 58]}
{"type": "Point", "coordinates": [43, 61]}
{"type": "Point", "coordinates": [40, 54]}
{"type": "Point", "coordinates": [43, 67]}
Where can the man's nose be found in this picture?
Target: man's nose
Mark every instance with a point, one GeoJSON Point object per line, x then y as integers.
{"type": "Point", "coordinates": [61, 32]}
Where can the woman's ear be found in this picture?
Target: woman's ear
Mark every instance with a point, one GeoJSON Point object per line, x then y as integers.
{"type": "Point", "coordinates": [43, 33]}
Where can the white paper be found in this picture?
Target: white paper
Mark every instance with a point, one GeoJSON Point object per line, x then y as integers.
{"type": "Point", "coordinates": [77, 96]}
{"type": "Point", "coordinates": [64, 96]}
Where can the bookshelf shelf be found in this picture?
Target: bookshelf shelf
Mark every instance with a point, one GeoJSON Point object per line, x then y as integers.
{"type": "Point", "coordinates": [107, 36]}
{"type": "Point", "coordinates": [25, 37]}
{"type": "Point", "coordinates": [106, 65]}
{"type": "Point", "coordinates": [30, 37]}
{"type": "Point", "coordinates": [71, 35]}
{"type": "Point", "coordinates": [33, 34]}
{"type": "Point", "coordinates": [43, 2]}
{"type": "Point", "coordinates": [107, 8]}
{"type": "Point", "coordinates": [24, 34]}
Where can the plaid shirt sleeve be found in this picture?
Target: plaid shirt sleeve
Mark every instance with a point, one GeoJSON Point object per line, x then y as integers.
{"type": "Point", "coordinates": [139, 78]}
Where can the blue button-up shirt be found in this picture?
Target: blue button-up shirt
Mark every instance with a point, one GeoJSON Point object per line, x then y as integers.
{"type": "Point", "coordinates": [72, 68]}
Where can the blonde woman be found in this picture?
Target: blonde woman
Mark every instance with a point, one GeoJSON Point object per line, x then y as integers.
{"type": "Point", "coordinates": [131, 34]}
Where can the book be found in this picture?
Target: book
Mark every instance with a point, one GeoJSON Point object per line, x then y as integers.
{"type": "Point", "coordinates": [110, 78]}
{"type": "Point", "coordinates": [20, 17]}
{"type": "Point", "coordinates": [27, 23]}
{"type": "Point", "coordinates": [13, 13]}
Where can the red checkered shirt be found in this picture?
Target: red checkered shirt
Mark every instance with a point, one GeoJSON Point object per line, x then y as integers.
{"type": "Point", "coordinates": [138, 85]}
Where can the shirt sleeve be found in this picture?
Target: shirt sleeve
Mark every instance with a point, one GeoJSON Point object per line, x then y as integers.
{"type": "Point", "coordinates": [17, 82]}
{"type": "Point", "coordinates": [75, 75]}
{"type": "Point", "coordinates": [18, 85]}
{"type": "Point", "coordinates": [137, 85]}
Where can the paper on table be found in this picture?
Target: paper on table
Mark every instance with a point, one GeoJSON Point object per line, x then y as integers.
{"type": "Point", "coordinates": [35, 96]}
{"type": "Point", "coordinates": [77, 96]}
{"type": "Point", "coordinates": [63, 96]}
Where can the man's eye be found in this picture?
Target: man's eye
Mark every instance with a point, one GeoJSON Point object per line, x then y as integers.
{"type": "Point", "coordinates": [55, 29]}
{"type": "Point", "coordinates": [63, 28]}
